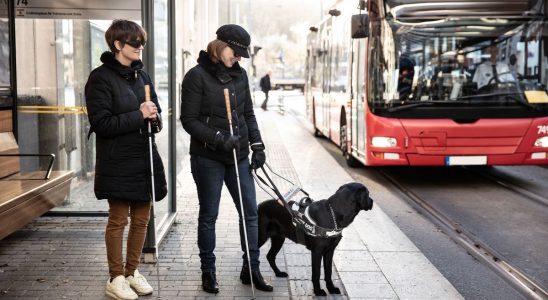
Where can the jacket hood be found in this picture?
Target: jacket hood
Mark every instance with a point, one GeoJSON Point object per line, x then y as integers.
{"type": "Point", "coordinates": [218, 70]}
{"type": "Point", "coordinates": [126, 72]}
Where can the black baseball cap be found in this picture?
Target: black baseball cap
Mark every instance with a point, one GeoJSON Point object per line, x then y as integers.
{"type": "Point", "coordinates": [236, 37]}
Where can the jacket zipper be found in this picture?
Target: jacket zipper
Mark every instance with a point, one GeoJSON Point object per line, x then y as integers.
{"type": "Point", "coordinates": [207, 123]}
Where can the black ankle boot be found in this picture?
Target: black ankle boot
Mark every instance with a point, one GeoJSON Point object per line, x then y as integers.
{"type": "Point", "coordinates": [258, 279]}
{"type": "Point", "coordinates": [209, 282]}
{"type": "Point", "coordinates": [244, 275]}
{"type": "Point", "coordinates": [260, 283]}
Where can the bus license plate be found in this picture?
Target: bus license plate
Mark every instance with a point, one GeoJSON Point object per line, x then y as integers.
{"type": "Point", "coordinates": [465, 160]}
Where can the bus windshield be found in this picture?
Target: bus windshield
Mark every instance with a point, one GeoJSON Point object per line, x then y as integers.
{"type": "Point", "coordinates": [464, 62]}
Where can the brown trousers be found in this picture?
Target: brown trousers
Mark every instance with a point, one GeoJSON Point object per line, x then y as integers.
{"type": "Point", "coordinates": [139, 213]}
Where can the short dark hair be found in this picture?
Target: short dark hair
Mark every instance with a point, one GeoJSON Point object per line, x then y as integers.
{"type": "Point", "coordinates": [214, 49]}
{"type": "Point", "coordinates": [124, 30]}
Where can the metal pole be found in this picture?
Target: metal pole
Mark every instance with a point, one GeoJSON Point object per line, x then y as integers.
{"type": "Point", "coordinates": [229, 116]}
{"type": "Point", "coordinates": [147, 98]}
{"type": "Point", "coordinates": [13, 68]}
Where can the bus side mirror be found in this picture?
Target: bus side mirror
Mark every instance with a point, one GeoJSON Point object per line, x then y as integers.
{"type": "Point", "coordinates": [360, 28]}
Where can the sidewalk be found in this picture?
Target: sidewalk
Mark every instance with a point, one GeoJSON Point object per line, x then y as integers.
{"type": "Point", "coordinates": [64, 258]}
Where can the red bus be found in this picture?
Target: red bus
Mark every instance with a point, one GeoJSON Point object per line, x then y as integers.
{"type": "Point", "coordinates": [398, 82]}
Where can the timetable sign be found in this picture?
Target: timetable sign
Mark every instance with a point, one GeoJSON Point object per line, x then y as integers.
{"type": "Point", "coordinates": [78, 9]}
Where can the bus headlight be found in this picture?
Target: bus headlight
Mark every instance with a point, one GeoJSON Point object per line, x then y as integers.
{"type": "Point", "coordinates": [385, 142]}
{"type": "Point", "coordinates": [542, 142]}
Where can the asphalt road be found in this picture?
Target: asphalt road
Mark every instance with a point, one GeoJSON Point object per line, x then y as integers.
{"type": "Point", "coordinates": [511, 224]}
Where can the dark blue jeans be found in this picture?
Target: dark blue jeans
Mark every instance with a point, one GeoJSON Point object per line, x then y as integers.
{"type": "Point", "coordinates": [209, 176]}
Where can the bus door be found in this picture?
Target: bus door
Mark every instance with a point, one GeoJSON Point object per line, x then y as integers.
{"type": "Point", "coordinates": [326, 66]}
{"type": "Point", "coordinates": [339, 86]}
{"type": "Point", "coordinates": [358, 96]}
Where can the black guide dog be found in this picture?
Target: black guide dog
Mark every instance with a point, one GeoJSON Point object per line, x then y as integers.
{"type": "Point", "coordinates": [275, 223]}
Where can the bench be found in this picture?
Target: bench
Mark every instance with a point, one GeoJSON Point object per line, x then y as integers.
{"type": "Point", "coordinates": [25, 196]}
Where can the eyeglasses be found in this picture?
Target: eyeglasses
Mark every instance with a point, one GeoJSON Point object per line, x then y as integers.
{"type": "Point", "coordinates": [136, 44]}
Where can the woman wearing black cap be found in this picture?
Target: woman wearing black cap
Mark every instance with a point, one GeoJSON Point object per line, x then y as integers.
{"type": "Point", "coordinates": [204, 117]}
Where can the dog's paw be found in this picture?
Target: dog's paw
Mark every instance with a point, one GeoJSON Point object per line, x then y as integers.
{"type": "Point", "coordinates": [281, 274]}
{"type": "Point", "coordinates": [334, 290]}
{"type": "Point", "coordinates": [320, 292]}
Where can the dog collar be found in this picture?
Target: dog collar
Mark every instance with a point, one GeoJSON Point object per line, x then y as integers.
{"type": "Point", "coordinates": [333, 216]}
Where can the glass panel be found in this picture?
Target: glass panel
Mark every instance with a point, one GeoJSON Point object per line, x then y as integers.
{"type": "Point", "coordinates": [161, 77]}
{"type": "Point", "coordinates": [5, 82]}
{"type": "Point", "coordinates": [51, 114]}
{"type": "Point", "coordinates": [57, 56]}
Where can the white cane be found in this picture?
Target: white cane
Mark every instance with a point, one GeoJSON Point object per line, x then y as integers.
{"type": "Point", "coordinates": [147, 99]}
{"type": "Point", "coordinates": [229, 116]}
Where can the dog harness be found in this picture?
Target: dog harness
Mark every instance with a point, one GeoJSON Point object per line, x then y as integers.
{"type": "Point", "coordinates": [306, 225]}
{"type": "Point", "coordinates": [301, 219]}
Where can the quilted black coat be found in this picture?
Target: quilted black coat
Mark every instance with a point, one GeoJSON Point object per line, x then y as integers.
{"type": "Point", "coordinates": [114, 93]}
{"type": "Point", "coordinates": [203, 109]}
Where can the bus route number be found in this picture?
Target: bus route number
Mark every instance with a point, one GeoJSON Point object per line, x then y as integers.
{"type": "Point", "coordinates": [542, 129]}
{"type": "Point", "coordinates": [24, 2]}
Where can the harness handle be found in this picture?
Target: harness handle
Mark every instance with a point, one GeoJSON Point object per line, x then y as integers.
{"type": "Point", "coordinates": [272, 186]}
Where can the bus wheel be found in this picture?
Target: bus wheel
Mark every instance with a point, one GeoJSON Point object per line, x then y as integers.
{"type": "Point", "coordinates": [351, 161]}
{"type": "Point", "coordinates": [317, 133]}
{"type": "Point", "coordinates": [343, 139]}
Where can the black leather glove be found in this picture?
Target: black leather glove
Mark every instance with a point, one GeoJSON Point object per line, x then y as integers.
{"type": "Point", "coordinates": [157, 124]}
{"type": "Point", "coordinates": [258, 157]}
{"type": "Point", "coordinates": [227, 142]}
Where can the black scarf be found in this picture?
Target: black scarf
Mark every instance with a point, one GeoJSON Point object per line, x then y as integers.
{"type": "Point", "coordinates": [218, 70]}
{"type": "Point", "coordinates": [128, 73]}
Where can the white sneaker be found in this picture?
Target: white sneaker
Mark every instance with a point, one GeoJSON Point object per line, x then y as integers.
{"type": "Point", "coordinates": [119, 289]}
{"type": "Point", "coordinates": [139, 283]}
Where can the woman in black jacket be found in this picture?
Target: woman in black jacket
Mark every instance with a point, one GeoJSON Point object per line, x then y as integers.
{"type": "Point", "coordinates": [118, 115]}
{"type": "Point", "coordinates": [204, 117]}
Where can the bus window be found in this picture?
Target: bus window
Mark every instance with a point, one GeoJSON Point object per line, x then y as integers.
{"type": "Point", "coordinates": [415, 62]}
{"type": "Point", "coordinates": [340, 56]}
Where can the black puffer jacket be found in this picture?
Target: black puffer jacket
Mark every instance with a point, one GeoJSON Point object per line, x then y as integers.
{"type": "Point", "coordinates": [114, 93]}
{"type": "Point", "coordinates": [203, 108]}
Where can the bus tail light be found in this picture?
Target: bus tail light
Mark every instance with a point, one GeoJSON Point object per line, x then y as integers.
{"type": "Point", "coordinates": [386, 142]}
{"type": "Point", "coordinates": [542, 142]}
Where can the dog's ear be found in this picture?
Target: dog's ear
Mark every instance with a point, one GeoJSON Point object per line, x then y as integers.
{"type": "Point", "coordinates": [366, 203]}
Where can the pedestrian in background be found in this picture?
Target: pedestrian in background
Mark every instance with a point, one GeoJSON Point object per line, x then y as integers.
{"type": "Point", "coordinates": [118, 115]}
{"type": "Point", "coordinates": [204, 117]}
{"type": "Point", "coordinates": [265, 87]}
